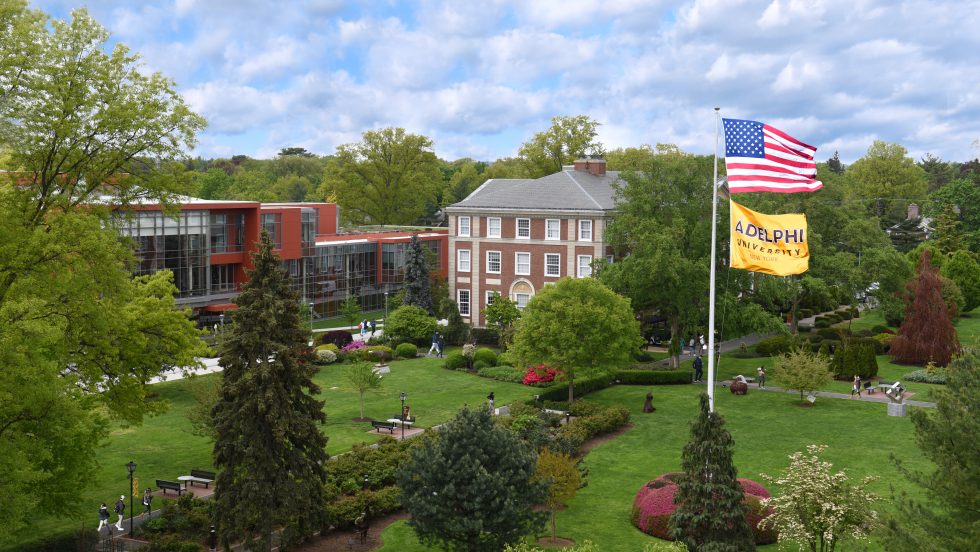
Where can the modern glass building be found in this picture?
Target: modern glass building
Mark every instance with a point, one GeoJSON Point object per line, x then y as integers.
{"type": "Point", "coordinates": [207, 245]}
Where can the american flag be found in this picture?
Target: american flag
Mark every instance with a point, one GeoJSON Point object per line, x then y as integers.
{"type": "Point", "coordinates": [762, 158]}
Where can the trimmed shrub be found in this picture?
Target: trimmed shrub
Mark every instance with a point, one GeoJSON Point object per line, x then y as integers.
{"type": "Point", "coordinates": [485, 355]}
{"type": "Point", "coordinates": [339, 338]}
{"type": "Point", "coordinates": [502, 373]}
{"type": "Point", "coordinates": [923, 376]}
{"type": "Point", "coordinates": [776, 345]}
{"type": "Point", "coordinates": [821, 323]}
{"type": "Point", "coordinates": [506, 359]}
{"type": "Point", "coordinates": [375, 353]}
{"type": "Point", "coordinates": [828, 347]}
{"type": "Point", "coordinates": [406, 350]}
{"type": "Point", "coordinates": [805, 313]}
{"type": "Point", "coordinates": [855, 359]}
{"type": "Point", "coordinates": [412, 324]}
{"type": "Point", "coordinates": [484, 336]}
{"type": "Point", "coordinates": [653, 377]}
{"type": "Point", "coordinates": [479, 365]}
{"type": "Point", "coordinates": [845, 315]}
{"type": "Point", "coordinates": [325, 356]}
{"type": "Point", "coordinates": [865, 333]}
{"type": "Point", "coordinates": [328, 347]}
{"type": "Point", "coordinates": [642, 356]}
{"type": "Point", "coordinates": [583, 386]}
{"type": "Point", "coordinates": [882, 329]}
{"type": "Point", "coordinates": [830, 333]}
{"type": "Point", "coordinates": [878, 346]}
{"type": "Point", "coordinates": [886, 341]}
{"type": "Point", "coordinates": [456, 361]}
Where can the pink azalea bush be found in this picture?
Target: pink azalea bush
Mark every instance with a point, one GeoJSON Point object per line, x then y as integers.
{"type": "Point", "coordinates": [541, 373]}
{"type": "Point", "coordinates": [353, 346]}
{"type": "Point", "coordinates": [654, 504]}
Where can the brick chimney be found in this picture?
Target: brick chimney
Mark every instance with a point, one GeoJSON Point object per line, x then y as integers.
{"type": "Point", "coordinates": [595, 167]}
{"type": "Point", "coordinates": [913, 212]}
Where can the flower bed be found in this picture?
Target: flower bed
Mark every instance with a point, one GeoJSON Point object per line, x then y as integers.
{"type": "Point", "coordinates": [654, 504]}
{"type": "Point", "coordinates": [540, 374]}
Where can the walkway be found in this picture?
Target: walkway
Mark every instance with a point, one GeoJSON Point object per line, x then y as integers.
{"type": "Point", "coordinates": [833, 395]}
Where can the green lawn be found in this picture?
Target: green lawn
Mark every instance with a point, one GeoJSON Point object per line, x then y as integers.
{"type": "Point", "coordinates": [339, 322]}
{"type": "Point", "coordinates": [767, 427]}
{"type": "Point", "coordinates": [164, 448]}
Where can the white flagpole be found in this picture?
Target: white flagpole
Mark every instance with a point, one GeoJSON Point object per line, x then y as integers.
{"type": "Point", "coordinates": [711, 286]}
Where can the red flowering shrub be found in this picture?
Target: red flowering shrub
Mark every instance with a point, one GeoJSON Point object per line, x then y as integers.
{"type": "Point", "coordinates": [654, 504]}
{"type": "Point", "coordinates": [541, 373]}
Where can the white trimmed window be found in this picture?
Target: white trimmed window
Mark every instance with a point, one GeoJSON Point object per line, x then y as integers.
{"type": "Point", "coordinates": [522, 264]}
{"type": "Point", "coordinates": [523, 229]}
{"type": "Point", "coordinates": [463, 300]}
{"type": "Point", "coordinates": [585, 230]}
{"type": "Point", "coordinates": [492, 296]}
{"type": "Point", "coordinates": [493, 262]}
{"type": "Point", "coordinates": [552, 229]}
{"type": "Point", "coordinates": [521, 299]}
{"type": "Point", "coordinates": [552, 265]}
{"type": "Point", "coordinates": [462, 260]}
{"type": "Point", "coordinates": [584, 266]}
{"type": "Point", "coordinates": [463, 227]}
{"type": "Point", "coordinates": [493, 227]}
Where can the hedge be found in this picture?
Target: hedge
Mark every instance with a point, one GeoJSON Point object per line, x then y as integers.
{"type": "Point", "coordinates": [485, 336]}
{"type": "Point", "coordinates": [653, 377]}
{"type": "Point", "coordinates": [923, 376]}
{"type": "Point", "coordinates": [822, 323]}
{"type": "Point", "coordinates": [778, 345]}
{"type": "Point", "coordinates": [583, 386]}
{"type": "Point", "coordinates": [337, 337]}
{"type": "Point", "coordinates": [456, 361]}
{"type": "Point", "coordinates": [832, 333]}
{"type": "Point", "coordinates": [406, 350]}
{"type": "Point", "coordinates": [878, 346]}
{"type": "Point", "coordinates": [502, 373]}
{"type": "Point", "coordinates": [486, 355]}
{"type": "Point", "coordinates": [855, 359]}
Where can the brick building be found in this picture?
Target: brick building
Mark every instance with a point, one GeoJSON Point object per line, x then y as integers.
{"type": "Point", "coordinates": [515, 236]}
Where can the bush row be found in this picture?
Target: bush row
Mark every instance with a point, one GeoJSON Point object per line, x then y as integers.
{"type": "Point", "coordinates": [501, 373]}
{"type": "Point", "coordinates": [583, 386]}
{"type": "Point", "coordinates": [924, 376]}
{"type": "Point", "coordinates": [653, 377]}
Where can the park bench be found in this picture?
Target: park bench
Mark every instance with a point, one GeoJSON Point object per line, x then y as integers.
{"type": "Point", "coordinates": [378, 426]}
{"type": "Point", "coordinates": [165, 485]}
{"type": "Point", "coordinates": [198, 476]}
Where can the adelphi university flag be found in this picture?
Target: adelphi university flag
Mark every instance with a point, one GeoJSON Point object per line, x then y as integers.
{"type": "Point", "coordinates": [773, 244]}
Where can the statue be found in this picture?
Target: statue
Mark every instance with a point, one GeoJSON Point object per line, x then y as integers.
{"type": "Point", "coordinates": [648, 404]}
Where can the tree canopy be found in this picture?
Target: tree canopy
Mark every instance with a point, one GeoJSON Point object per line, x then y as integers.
{"type": "Point", "coordinates": [567, 139]}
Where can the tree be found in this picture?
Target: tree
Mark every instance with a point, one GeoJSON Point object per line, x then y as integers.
{"type": "Point", "coordinates": [205, 390]}
{"type": "Point", "coordinates": [470, 487]}
{"type": "Point", "coordinates": [938, 172]}
{"type": "Point", "coordinates": [834, 163]}
{"type": "Point", "coordinates": [887, 179]}
{"type": "Point", "coordinates": [350, 309]}
{"type": "Point", "coordinates": [560, 472]}
{"type": "Point", "coordinates": [568, 139]}
{"type": "Point", "coordinates": [386, 178]}
{"type": "Point", "coordinates": [417, 290]}
{"type": "Point", "coordinates": [950, 517]}
{"type": "Point", "coordinates": [576, 324]}
{"type": "Point", "coordinates": [79, 337]}
{"type": "Point", "coordinates": [213, 184]}
{"type": "Point", "coordinates": [927, 333]}
{"type": "Point", "coordinates": [802, 370]}
{"type": "Point", "coordinates": [964, 194]}
{"type": "Point", "coordinates": [947, 235]}
{"type": "Point", "coordinates": [269, 451]}
{"type": "Point", "coordinates": [818, 509]}
{"type": "Point", "coordinates": [963, 269]}
{"type": "Point", "coordinates": [710, 514]}
{"type": "Point", "coordinates": [364, 378]}
{"type": "Point", "coordinates": [410, 323]}
{"type": "Point", "coordinates": [629, 159]}
{"type": "Point", "coordinates": [501, 315]}
{"type": "Point", "coordinates": [295, 152]}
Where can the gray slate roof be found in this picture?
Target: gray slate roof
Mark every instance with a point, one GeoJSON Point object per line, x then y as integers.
{"type": "Point", "coordinates": [565, 190]}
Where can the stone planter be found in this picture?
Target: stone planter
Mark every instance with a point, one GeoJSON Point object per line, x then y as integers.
{"type": "Point", "coordinates": [897, 409]}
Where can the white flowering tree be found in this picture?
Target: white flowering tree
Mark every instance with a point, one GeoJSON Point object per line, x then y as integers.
{"type": "Point", "coordinates": [817, 509]}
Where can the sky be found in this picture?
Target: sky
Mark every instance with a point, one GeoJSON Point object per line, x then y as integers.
{"type": "Point", "coordinates": [481, 77]}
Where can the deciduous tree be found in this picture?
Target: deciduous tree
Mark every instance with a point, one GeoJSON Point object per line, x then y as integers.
{"type": "Point", "coordinates": [817, 509]}
{"type": "Point", "coordinates": [363, 377]}
{"type": "Point", "coordinates": [710, 514]}
{"type": "Point", "coordinates": [887, 179]}
{"type": "Point", "coordinates": [470, 487]}
{"type": "Point", "coordinates": [501, 315]}
{"type": "Point", "coordinates": [560, 472]}
{"type": "Point", "coordinates": [568, 139]}
{"type": "Point", "coordinates": [576, 324]}
{"type": "Point", "coordinates": [350, 309]}
{"type": "Point", "coordinates": [802, 370]}
{"type": "Point", "coordinates": [386, 178]}
{"type": "Point", "coordinates": [963, 269]}
{"type": "Point", "coordinates": [269, 450]}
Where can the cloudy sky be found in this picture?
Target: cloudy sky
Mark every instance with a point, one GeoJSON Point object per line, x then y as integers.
{"type": "Point", "coordinates": [480, 77]}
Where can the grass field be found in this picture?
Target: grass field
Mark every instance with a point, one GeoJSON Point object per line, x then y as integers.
{"type": "Point", "coordinates": [339, 322]}
{"type": "Point", "coordinates": [767, 427]}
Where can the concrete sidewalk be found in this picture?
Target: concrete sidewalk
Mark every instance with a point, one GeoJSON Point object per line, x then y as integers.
{"type": "Point", "coordinates": [830, 394]}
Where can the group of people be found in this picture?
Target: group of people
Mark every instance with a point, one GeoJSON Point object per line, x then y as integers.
{"type": "Point", "coordinates": [368, 327]}
{"type": "Point", "coordinates": [120, 510]}
{"type": "Point", "coordinates": [438, 344]}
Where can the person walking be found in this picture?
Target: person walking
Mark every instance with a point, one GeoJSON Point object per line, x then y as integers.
{"type": "Point", "coordinates": [120, 509]}
{"type": "Point", "coordinates": [856, 387]}
{"type": "Point", "coordinates": [374, 327]}
{"type": "Point", "coordinates": [103, 516]}
{"type": "Point", "coordinates": [435, 343]}
{"type": "Point", "coordinates": [698, 368]}
{"type": "Point", "coordinates": [442, 345]}
{"type": "Point", "coordinates": [762, 377]}
{"type": "Point", "coordinates": [147, 501]}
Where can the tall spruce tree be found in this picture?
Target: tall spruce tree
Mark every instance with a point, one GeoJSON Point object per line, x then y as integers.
{"type": "Point", "coordinates": [470, 487]}
{"type": "Point", "coordinates": [417, 289]}
{"type": "Point", "coordinates": [269, 448]}
{"type": "Point", "coordinates": [710, 515]}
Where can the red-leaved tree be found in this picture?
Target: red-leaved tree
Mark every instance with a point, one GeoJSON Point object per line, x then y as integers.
{"type": "Point", "coordinates": [927, 334]}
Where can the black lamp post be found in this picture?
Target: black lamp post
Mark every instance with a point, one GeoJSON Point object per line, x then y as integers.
{"type": "Point", "coordinates": [221, 317]}
{"type": "Point", "coordinates": [365, 482]}
{"type": "Point", "coordinates": [311, 324]}
{"type": "Point", "coordinates": [131, 466]}
{"type": "Point", "coordinates": [386, 308]}
{"type": "Point", "coordinates": [403, 417]}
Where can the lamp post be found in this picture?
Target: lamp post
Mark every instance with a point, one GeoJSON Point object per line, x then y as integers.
{"type": "Point", "coordinates": [311, 324]}
{"type": "Point", "coordinates": [386, 311]}
{"type": "Point", "coordinates": [221, 317]}
{"type": "Point", "coordinates": [365, 482]}
{"type": "Point", "coordinates": [403, 397]}
{"type": "Point", "coordinates": [131, 466]}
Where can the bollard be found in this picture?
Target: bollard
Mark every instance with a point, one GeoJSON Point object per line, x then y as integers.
{"type": "Point", "coordinates": [213, 540]}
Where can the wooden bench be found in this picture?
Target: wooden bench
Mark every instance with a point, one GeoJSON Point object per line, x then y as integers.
{"type": "Point", "coordinates": [165, 485]}
{"type": "Point", "coordinates": [202, 476]}
{"type": "Point", "coordinates": [378, 426]}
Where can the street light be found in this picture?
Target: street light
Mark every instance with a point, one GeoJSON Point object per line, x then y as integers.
{"type": "Point", "coordinates": [403, 397]}
{"type": "Point", "coordinates": [386, 310]}
{"type": "Point", "coordinates": [131, 466]}
{"type": "Point", "coordinates": [365, 482]}
{"type": "Point", "coordinates": [311, 324]}
{"type": "Point", "coordinates": [221, 317]}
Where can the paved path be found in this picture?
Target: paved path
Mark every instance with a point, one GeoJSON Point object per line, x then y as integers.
{"type": "Point", "coordinates": [833, 395]}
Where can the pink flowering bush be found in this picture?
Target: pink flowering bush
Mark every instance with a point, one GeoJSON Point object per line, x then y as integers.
{"type": "Point", "coordinates": [353, 346]}
{"type": "Point", "coordinates": [654, 504]}
{"type": "Point", "coordinates": [540, 374]}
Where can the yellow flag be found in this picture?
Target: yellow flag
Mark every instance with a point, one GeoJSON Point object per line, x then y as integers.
{"type": "Point", "coordinates": [773, 244]}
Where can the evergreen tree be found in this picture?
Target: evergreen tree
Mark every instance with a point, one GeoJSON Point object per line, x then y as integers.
{"type": "Point", "coordinates": [269, 448]}
{"type": "Point", "coordinates": [710, 514]}
{"type": "Point", "coordinates": [950, 518]}
{"type": "Point", "coordinates": [417, 289]}
{"type": "Point", "coordinates": [469, 488]}
{"type": "Point", "coordinates": [834, 163]}
{"type": "Point", "coordinates": [948, 236]}
{"type": "Point", "coordinates": [927, 333]}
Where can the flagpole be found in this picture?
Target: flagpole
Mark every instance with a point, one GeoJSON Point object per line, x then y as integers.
{"type": "Point", "coordinates": [711, 285]}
